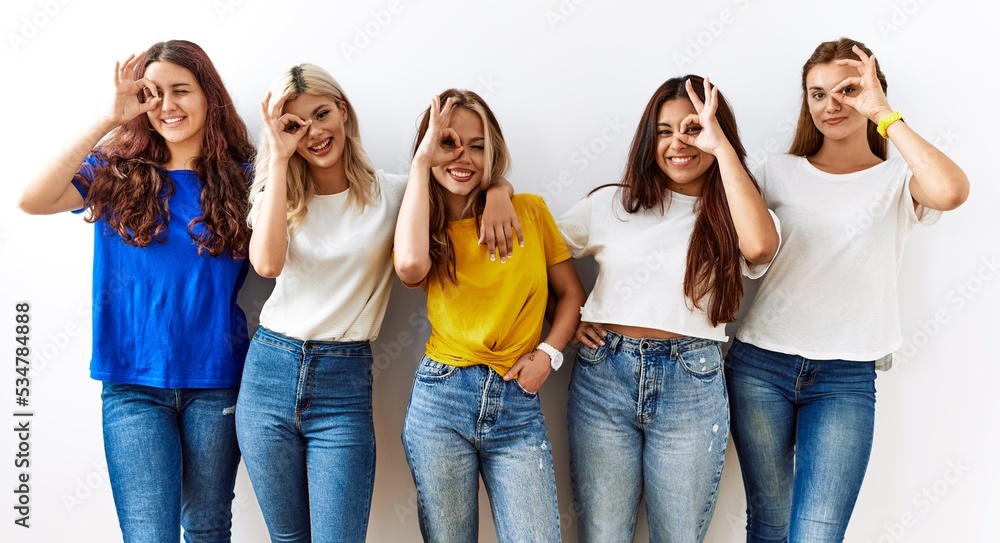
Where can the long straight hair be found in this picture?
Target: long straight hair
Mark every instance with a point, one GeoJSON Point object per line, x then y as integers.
{"type": "Point", "coordinates": [496, 163]}
{"type": "Point", "coordinates": [362, 183]}
{"type": "Point", "coordinates": [808, 139]}
{"type": "Point", "coordinates": [712, 270]}
{"type": "Point", "coordinates": [131, 189]}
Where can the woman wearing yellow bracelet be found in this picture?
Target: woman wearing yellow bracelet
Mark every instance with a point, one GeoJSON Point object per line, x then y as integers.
{"type": "Point", "coordinates": [801, 374]}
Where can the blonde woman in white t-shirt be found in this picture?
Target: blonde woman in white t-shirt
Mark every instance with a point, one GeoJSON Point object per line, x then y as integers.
{"type": "Point", "coordinates": [648, 411]}
{"type": "Point", "coordinates": [801, 373]}
{"type": "Point", "coordinates": [323, 221]}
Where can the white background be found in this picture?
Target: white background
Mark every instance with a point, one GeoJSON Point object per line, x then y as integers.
{"type": "Point", "coordinates": [562, 77]}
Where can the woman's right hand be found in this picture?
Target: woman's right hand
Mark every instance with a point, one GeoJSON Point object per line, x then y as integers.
{"type": "Point", "coordinates": [284, 131]}
{"type": "Point", "coordinates": [441, 143]}
{"type": "Point", "coordinates": [591, 334]}
{"type": "Point", "coordinates": [127, 91]}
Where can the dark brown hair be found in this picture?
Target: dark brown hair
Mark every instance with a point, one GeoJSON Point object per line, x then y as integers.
{"type": "Point", "coordinates": [808, 139]}
{"type": "Point", "coordinates": [496, 164]}
{"type": "Point", "coordinates": [713, 258]}
{"type": "Point", "coordinates": [131, 190]}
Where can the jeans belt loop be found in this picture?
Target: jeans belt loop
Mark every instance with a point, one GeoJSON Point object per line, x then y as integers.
{"type": "Point", "coordinates": [613, 346]}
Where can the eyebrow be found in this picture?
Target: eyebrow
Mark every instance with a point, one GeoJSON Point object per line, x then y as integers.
{"type": "Point", "coordinates": [664, 124]}
{"type": "Point", "coordinates": [477, 139]}
{"type": "Point", "coordinates": [320, 107]}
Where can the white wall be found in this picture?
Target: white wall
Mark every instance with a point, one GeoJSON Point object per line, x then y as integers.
{"type": "Point", "coordinates": [563, 77]}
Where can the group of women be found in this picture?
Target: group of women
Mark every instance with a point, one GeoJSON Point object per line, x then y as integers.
{"type": "Point", "coordinates": [182, 203]}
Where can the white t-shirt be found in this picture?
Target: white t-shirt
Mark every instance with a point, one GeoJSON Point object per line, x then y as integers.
{"type": "Point", "coordinates": [641, 261]}
{"type": "Point", "coordinates": [831, 293]}
{"type": "Point", "coordinates": [338, 270]}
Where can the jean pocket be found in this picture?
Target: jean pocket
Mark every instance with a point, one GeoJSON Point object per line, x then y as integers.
{"type": "Point", "coordinates": [430, 371]}
{"type": "Point", "coordinates": [589, 356]}
{"type": "Point", "coordinates": [523, 390]}
{"type": "Point", "coordinates": [703, 362]}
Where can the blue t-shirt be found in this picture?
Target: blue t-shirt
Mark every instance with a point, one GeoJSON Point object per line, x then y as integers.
{"type": "Point", "coordinates": [163, 315]}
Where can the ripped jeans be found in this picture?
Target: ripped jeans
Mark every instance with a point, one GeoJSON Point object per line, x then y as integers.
{"type": "Point", "coordinates": [172, 459]}
{"type": "Point", "coordinates": [647, 415]}
{"type": "Point", "coordinates": [463, 422]}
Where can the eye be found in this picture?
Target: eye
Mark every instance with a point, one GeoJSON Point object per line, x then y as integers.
{"type": "Point", "coordinates": [478, 147]}
{"type": "Point", "coordinates": [847, 90]}
{"type": "Point", "coordinates": [693, 129]}
{"type": "Point", "coordinates": [818, 96]}
{"type": "Point", "coordinates": [292, 127]}
{"type": "Point", "coordinates": [322, 115]}
{"type": "Point", "coordinates": [665, 133]}
{"type": "Point", "coordinates": [448, 142]}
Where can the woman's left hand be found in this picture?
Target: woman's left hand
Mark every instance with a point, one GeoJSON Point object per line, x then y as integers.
{"type": "Point", "coordinates": [863, 92]}
{"type": "Point", "coordinates": [702, 129]}
{"type": "Point", "coordinates": [530, 370]}
{"type": "Point", "coordinates": [499, 226]}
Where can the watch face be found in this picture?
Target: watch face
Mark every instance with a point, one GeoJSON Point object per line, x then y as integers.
{"type": "Point", "coordinates": [557, 360]}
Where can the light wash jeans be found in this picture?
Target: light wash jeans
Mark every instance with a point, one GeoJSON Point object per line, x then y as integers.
{"type": "Point", "coordinates": [465, 422]}
{"type": "Point", "coordinates": [304, 420]}
{"type": "Point", "coordinates": [647, 415]}
{"type": "Point", "coordinates": [803, 431]}
{"type": "Point", "coordinates": [172, 460]}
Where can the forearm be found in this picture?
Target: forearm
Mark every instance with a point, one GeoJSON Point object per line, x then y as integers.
{"type": "Point", "coordinates": [52, 191]}
{"type": "Point", "coordinates": [412, 238]}
{"type": "Point", "coordinates": [754, 226]}
{"type": "Point", "coordinates": [570, 298]}
{"type": "Point", "coordinates": [937, 183]}
{"type": "Point", "coordinates": [269, 240]}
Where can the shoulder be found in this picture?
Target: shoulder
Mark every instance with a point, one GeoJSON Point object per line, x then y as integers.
{"type": "Point", "coordinates": [393, 181]}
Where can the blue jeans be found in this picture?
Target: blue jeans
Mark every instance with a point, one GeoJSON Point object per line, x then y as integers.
{"type": "Point", "coordinates": [649, 415]}
{"type": "Point", "coordinates": [172, 460]}
{"type": "Point", "coordinates": [803, 432]}
{"type": "Point", "coordinates": [463, 422]}
{"type": "Point", "coordinates": [304, 420]}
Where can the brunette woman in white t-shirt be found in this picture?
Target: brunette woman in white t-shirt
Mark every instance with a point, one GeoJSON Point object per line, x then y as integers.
{"type": "Point", "coordinates": [801, 373]}
{"type": "Point", "coordinates": [647, 403]}
{"type": "Point", "coordinates": [323, 220]}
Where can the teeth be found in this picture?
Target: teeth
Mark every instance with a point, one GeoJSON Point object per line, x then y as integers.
{"type": "Point", "coordinates": [681, 159]}
{"type": "Point", "coordinates": [322, 146]}
{"type": "Point", "coordinates": [174, 120]}
{"type": "Point", "coordinates": [463, 175]}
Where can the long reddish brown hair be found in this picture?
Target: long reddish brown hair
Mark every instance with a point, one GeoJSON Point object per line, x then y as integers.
{"type": "Point", "coordinates": [496, 163]}
{"type": "Point", "coordinates": [131, 190]}
{"type": "Point", "coordinates": [713, 258]}
{"type": "Point", "coordinates": [808, 139]}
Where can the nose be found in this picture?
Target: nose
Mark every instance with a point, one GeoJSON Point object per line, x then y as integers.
{"type": "Point", "coordinates": [832, 105]}
{"type": "Point", "coordinates": [314, 130]}
{"type": "Point", "coordinates": [167, 103]}
{"type": "Point", "coordinates": [677, 145]}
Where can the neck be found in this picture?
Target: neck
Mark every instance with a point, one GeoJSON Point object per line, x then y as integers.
{"type": "Point", "coordinates": [455, 206]}
{"type": "Point", "coordinates": [846, 152]}
{"type": "Point", "coordinates": [330, 180]}
{"type": "Point", "coordinates": [182, 155]}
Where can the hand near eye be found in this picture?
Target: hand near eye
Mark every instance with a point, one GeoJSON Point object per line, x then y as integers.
{"type": "Point", "coordinates": [709, 138]}
{"type": "Point", "coordinates": [863, 92]}
{"type": "Point", "coordinates": [127, 91]}
{"type": "Point", "coordinates": [441, 143]}
{"type": "Point", "coordinates": [284, 131]}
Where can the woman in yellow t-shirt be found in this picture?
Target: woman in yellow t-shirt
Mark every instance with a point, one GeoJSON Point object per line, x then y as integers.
{"type": "Point", "coordinates": [474, 408]}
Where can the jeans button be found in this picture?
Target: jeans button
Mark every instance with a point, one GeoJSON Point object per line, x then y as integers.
{"type": "Point", "coordinates": [645, 345]}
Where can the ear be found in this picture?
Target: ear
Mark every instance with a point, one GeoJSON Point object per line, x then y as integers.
{"type": "Point", "coordinates": [343, 111]}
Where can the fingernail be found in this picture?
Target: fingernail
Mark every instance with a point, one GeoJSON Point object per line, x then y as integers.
{"type": "Point", "coordinates": [492, 258]}
{"type": "Point", "coordinates": [503, 260]}
{"type": "Point", "coordinates": [522, 244]}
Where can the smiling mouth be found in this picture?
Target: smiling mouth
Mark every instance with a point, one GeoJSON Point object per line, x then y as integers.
{"type": "Point", "coordinates": [460, 175]}
{"type": "Point", "coordinates": [173, 121]}
{"type": "Point", "coordinates": [681, 160]}
{"type": "Point", "coordinates": [322, 146]}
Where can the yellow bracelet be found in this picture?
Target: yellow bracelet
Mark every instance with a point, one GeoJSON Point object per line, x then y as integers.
{"type": "Point", "coordinates": [884, 122]}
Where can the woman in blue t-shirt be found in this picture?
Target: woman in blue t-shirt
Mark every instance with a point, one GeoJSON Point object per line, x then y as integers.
{"type": "Point", "coordinates": [164, 178]}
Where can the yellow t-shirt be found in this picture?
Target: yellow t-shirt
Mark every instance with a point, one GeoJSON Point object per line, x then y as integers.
{"type": "Point", "coordinates": [494, 313]}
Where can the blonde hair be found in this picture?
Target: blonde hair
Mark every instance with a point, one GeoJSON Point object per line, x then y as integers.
{"type": "Point", "coordinates": [362, 183]}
